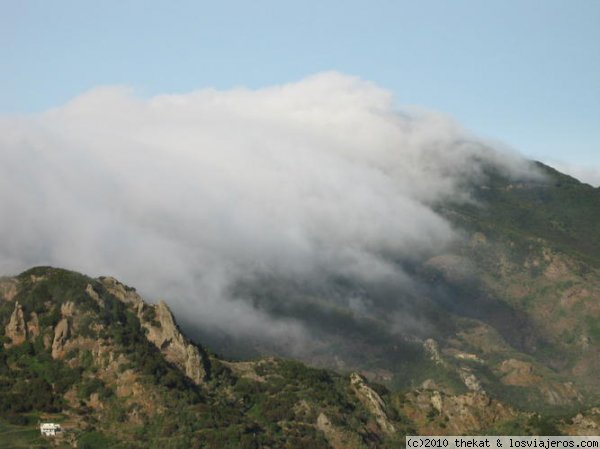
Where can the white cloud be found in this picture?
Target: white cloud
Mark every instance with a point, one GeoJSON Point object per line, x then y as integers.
{"type": "Point", "coordinates": [184, 195]}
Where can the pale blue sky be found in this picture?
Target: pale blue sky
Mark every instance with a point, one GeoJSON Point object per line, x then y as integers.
{"type": "Point", "coordinates": [521, 71]}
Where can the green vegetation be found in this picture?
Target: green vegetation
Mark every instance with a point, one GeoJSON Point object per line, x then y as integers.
{"type": "Point", "coordinates": [117, 389]}
{"type": "Point", "coordinates": [557, 208]}
{"type": "Point", "coordinates": [30, 380]}
{"type": "Point", "coordinates": [277, 409]}
{"type": "Point", "coordinates": [20, 437]}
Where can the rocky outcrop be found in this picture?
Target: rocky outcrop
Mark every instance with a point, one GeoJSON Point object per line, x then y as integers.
{"type": "Point", "coordinates": [523, 374]}
{"type": "Point", "coordinates": [194, 367]}
{"type": "Point", "coordinates": [94, 295]}
{"type": "Point", "coordinates": [518, 373]}
{"type": "Point", "coordinates": [557, 393]}
{"type": "Point", "coordinates": [434, 412]}
{"type": "Point", "coordinates": [470, 381]}
{"type": "Point", "coordinates": [67, 309]}
{"type": "Point", "coordinates": [372, 401]}
{"type": "Point", "coordinates": [557, 266]}
{"type": "Point", "coordinates": [123, 293]}
{"type": "Point", "coordinates": [162, 329]}
{"type": "Point", "coordinates": [585, 423]}
{"type": "Point", "coordinates": [166, 336]}
{"type": "Point", "coordinates": [8, 289]}
{"type": "Point", "coordinates": [33, 325]}
{"type": "Point", "coordinates": [16, 329]}
{"type": "Point", "coordinates": [337, 437]}
{"type": "Point", "coordinates": [62, 332]}
{"type": "Point", "coordinates": [433, 350]}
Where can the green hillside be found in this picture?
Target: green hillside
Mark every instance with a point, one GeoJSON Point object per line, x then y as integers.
{"type": "Point", "coordinates": [111, 386]}
{"type": "Point", "coordinates": [500, 334]}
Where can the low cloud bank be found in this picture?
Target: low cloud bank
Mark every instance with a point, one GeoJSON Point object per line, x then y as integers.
{"type": "Point", "coordinates": [188, 196]}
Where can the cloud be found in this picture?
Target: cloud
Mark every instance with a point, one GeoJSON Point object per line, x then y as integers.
{"type": "Point", "coordinates": [188, 196]}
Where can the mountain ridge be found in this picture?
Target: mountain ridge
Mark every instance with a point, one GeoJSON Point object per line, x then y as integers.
{"type": "Point", "coordinates": [115, 379]}
{"type": "Point", "coordinates": [499, 333]}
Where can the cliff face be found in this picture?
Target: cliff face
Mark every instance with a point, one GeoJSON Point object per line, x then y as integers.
{"type": "Point", "coordinates": [372, 401]}
{"type": "Point", "coordinates": [120, 291]}
{"type": "Point", "coordinates": [61, 334]}
{"type": "Point", "coordinates": [16, 329]}
{"type": "Point", "coordinates": [163, 332]}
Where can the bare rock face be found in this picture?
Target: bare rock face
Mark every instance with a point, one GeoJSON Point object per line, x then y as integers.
{"type": "Point", "coordinates": [122, 292]}
{"type": "Point", "coordinates": [166, 336]}
{"type": "Point", "coordinates": [372, 401]}
{"type": "Point", "coordinates": [16, 328]}
{"type": "Point", "coordinates": [194, 368]}
{"type": "Point", "coordinates": [470, 381]}
{"type": "Point", "coordinates": [92, 293]}
{"type": "Point", "coordinates": [163, 331]}
{"type": "Point", "coordinates": [33, 325]}
{"type": "Point", "coordinates": [67, 309]}
{"type": "Point", "coordinates": [433, 350]}
{"type": "Point", "coordinates": [62, 332]}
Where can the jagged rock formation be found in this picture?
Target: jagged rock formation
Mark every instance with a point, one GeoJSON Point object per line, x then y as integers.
{"type": "Point", "coordinates": [61, 334]}
{"type": "Point", "coordinates": [16, 328]}
{"type": "Point", "coordinates": [163, 331]}
{"type": "Point", "coordinates": [470, 380]}
{"type": "Point", "coordinates": [94, 295]}
{"type": "Point", "coordinates": [173, 344]}
{"type": "Point", "coordinates": [433, 350]}
{"type": "Point", "coordinates": [102, 336]}
{"type": "Point", "coordinates": [67, 309]}
{"type": "Point", "coordinates": [33, 325]}
{"type": "Point", "coordinates": [121, 291]}
{"type": "Point", "coordinates": [372, 401]}
{"type": "Point", "coordinates": [104, 374]}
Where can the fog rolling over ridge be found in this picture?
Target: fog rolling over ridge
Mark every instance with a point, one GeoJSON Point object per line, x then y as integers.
{"type": "Point", "coordinates": [204, 198]}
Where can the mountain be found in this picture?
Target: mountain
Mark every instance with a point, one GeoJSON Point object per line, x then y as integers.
{"type": "Point", "coordinates": [512, 307]}
{"type": "Point", "coordinates": [116, 371]}
{"type": "Point", "coordinates": [499, 334]}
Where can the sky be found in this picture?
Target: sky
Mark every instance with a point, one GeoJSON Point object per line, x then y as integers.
{"type": "Point", "coordinates": [522, 72]}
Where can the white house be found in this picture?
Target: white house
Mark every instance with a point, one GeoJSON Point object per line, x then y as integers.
{"type": "Point", "coordinates": [49, 429]}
